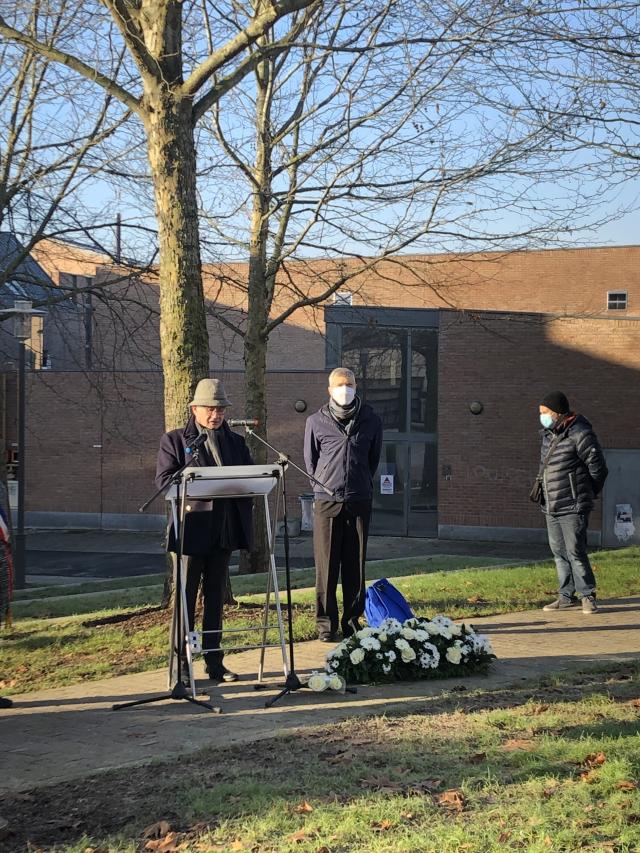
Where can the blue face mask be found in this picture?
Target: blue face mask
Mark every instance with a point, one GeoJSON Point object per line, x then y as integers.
{"type": "Point", "coordinates": [547, 420]}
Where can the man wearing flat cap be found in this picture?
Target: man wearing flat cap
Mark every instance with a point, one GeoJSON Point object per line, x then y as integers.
{"type": "Point", "coordinates": [212, 529]}
{"type": "Point", "coordinates": [572, 474]}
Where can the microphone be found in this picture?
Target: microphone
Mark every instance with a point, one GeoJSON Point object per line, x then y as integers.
{"type": "Point", "coordinates": [197, 444]}
{"type": "Point", "coordinates": [251, 422]}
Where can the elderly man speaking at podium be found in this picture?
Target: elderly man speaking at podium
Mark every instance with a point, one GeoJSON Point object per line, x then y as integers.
{"type": "Point", "coordinates": [213, 528]}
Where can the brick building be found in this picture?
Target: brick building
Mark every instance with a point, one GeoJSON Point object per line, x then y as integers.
{"type": "Point", "coordinates": [453, 352]}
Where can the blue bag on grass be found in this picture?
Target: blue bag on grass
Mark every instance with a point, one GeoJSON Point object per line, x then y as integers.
{"type": "Point", "coordinates": [384, 601]}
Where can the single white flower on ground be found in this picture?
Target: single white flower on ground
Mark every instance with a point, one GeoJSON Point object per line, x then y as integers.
{"type": "Point", "coordinates": [318, 681]}
{"type": "Point", "coordinates": [337, 682]}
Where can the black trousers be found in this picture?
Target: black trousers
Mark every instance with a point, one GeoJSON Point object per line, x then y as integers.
{"type": "Point", "coordinates": [340, 531]}
{"type": "Point", "coordinates": [211, 569]}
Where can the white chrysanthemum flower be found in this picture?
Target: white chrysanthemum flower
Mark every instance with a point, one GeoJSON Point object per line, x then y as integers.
{"type": "Point", "coordinates": [370, 643]}
{"type": "Point", "coordinates": [382, 637]}
{"type": "Point", "coordinates": [379, 656]}
{"type": "Point", "coordinates": [408, 655]}
{"type": "Point", "coordinates": [454, 655]}
{"type": "Point", "coordinates": [481, 643]}
{"type": "Point", "coordinates": [391, 626]}
{"type": "Point", "coordinates": [456, 630]}
{"type": "Point", "coordinates": [430, 657]}
{"type": "Point", "coordinates": [366, 632]}
{"type": "Point", "coordinates": [401, 644]}
{"type": "Point", "coordinates": [432, 628]}
{"type": "Point", "coordinates": [391, 655]}
{"type": "Point", "coordinates": [386, 668]}
{"type": "Point", "coordinates": [421, 635]}
{"type": "Point", "coordinates": [334, 664]}
{"type": "Point", "coordinates": [356, 656]}
{"type": "Point", "coordinates": [408, 633]}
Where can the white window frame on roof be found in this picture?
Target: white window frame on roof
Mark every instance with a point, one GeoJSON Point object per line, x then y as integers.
{"type": "Point", "coordinates": [343, 297]}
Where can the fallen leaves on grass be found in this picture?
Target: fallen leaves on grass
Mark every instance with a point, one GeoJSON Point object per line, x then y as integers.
{"type": "Point", "coordinates": [382, 783]}
{"type": "Point", "coordinates": [382, 825]}
{"type": "Point", "coordinates": [594, 759]}
{"type": "Point", "coordinates": [157, 830]}
{"type": "Point", "coordinates": [476, 599]}
{"type": "Point", "coordinates": [478, 757]}
{"type": "Point", "coordinates": [303, 808]}
{"type": "Point", "coordinates": [626, 785]}
{"type": "Point", "coordinates": [453, 800]}
{"type": "Point", "coordinates": [169, 844]}
{"type": "Point", "coordinates": [519, 743]}
{"type": "Point", "coordinates": [298, 837]}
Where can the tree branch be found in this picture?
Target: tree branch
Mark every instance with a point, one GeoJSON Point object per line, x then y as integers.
{"type": "Point", "coordinates": [72, 62]}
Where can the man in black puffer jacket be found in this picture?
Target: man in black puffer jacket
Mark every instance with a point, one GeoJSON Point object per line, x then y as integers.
{"type": "Point", "coordinates": [342, 445]}
{"type": "Point", "coordinates": [573, 472]}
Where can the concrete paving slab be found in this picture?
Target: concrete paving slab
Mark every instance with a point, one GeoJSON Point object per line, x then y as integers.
{"type": "Point", "coordinates": [56, 735]}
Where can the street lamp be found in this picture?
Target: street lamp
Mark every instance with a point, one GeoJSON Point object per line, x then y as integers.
{"type": "Point", "coordinates": [22, 313]}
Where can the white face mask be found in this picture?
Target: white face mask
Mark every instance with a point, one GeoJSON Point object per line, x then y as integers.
{"type": "Point", "coordinates": [343, 394]}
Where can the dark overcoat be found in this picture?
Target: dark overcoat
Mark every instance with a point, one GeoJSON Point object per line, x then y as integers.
{"type": "Point", "coordinates": [221, 523]}
{"type": "Point", "coordinates": [345, 460]}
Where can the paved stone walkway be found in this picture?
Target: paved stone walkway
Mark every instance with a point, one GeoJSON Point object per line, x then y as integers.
{"type": "Point", "coordinates": [56, 735]}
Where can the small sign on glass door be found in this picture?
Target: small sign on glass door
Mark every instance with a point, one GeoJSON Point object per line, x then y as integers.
{"type": "Point", "coordinates": [386, 484]}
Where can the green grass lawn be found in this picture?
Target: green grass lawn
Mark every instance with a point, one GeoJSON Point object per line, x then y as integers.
{"type": "Point", "coordinates": [550, 766]}
{"type": "Point", "coordinates": [39, 653]}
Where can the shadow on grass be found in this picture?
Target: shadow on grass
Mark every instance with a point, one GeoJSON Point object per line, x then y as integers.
{"type": "Point", "coordinates": [449, 740]}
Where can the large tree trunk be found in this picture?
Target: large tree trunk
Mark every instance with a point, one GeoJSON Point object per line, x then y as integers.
{"type": "Point", "coordinates": [259, 303]}
{"type": "Point", "coordinates": [183, 330]}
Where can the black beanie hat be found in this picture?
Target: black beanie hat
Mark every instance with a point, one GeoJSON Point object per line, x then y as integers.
{"type": "Point", "coordinates": [556, 401]}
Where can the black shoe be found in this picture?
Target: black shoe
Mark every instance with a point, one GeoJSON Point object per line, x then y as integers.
{"type": "Point", "coordinates": [327, 637]}
{"type": "Point", "coordinates": [351, 628]}
{"type": "Point", "coordinates": [221, 673]}
{"type": "Point", "coordinates": [5, 703]}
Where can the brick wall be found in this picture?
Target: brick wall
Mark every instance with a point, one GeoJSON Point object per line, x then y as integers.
{"type": "Point", "coordinates": [507, 363]}
{"type": "Point", "coordinates": [92, 439]}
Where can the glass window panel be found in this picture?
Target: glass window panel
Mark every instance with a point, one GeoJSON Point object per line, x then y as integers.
{"type": "Point", "coordinates": [424, 380]}
{"type": "Point", "coordinates": [377, 357]}
{"type": "Point", "coordinates": [423, 491]}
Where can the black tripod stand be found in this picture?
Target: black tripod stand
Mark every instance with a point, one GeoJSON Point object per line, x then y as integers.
{"type": "Point", "coordinates": [179, 689]}
{"type": "Point", "coordinates": [292, 682]}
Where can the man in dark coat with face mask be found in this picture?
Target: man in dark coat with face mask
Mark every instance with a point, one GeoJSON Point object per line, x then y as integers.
{"type": "Point", "coordinates": [342, 445]}
{"type": "Point", "coordinates": [212, 529]}
{"type": "Point", "coordinates": [573, 472]}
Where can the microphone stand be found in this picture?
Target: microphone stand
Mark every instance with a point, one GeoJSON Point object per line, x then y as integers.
{"type": "Point", "coordinates": [292, 682]}
{"type": "Point", "coordinates": [179, 689]}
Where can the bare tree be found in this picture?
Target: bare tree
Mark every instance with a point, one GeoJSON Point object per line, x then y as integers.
{"type": "Point", "coordinates": [169, 78]}
{"type": "Point", "coordinates": [395, 127]}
